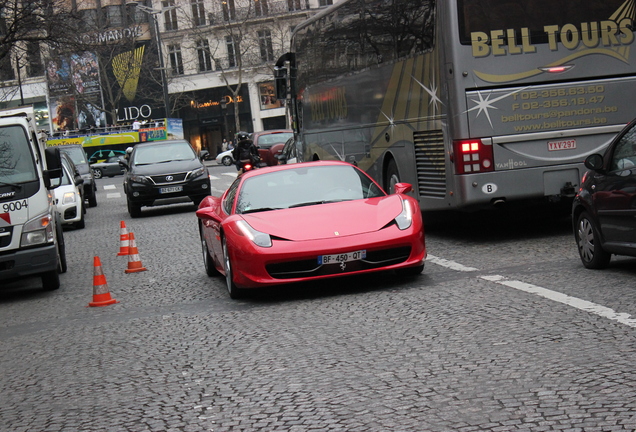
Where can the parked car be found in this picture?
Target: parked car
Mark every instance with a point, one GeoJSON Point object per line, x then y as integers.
{"type": "Point", "coordinates": [270, 144]}
{"type": "Point", "coordinates": [225, 158]}
{"type": "Point", "coordinates": [69, 196]}
{"type": "Point", "coordinates": [78, 156]}
{"type": "Point", "coordinates": [109, 168]}
{"type": "Point", "coordinates": [289, 154]}
{"type": "Point", "coordinates": [161, 170]}
{"type": "Point", "coordinates": [604, 210]}
{"type": "Point", "coordinates": [102, 155]}
{"type": "Point", "coordinates": [315, 220]}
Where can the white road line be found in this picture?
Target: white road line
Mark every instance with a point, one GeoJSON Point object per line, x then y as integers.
{"type": "Point", "coordinates": [623, 318]}
{"type": "Point", "coordinates": [230, 174]}
{"type": "Point", "coordinates": [449, 264]}
{"type": "Point", "coordinates": [214, 177]}
{"type": "Point", "coordinates": [113, 195]}
{"type": "Point", "coordinates": [107, 187]}
{"type": "Point", "coordinates": [584, 305]}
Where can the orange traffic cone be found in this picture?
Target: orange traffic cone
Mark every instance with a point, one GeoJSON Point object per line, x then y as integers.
{"type": "Point", "coordinates": [124, 241]}
{"type": "Point", "coordinates": [101, 295]}
{"type": "Point", "coordinates": [134, 262]}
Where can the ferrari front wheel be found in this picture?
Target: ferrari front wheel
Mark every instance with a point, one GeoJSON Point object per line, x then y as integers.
{"type": "Point", "coordinates": [234, 292]}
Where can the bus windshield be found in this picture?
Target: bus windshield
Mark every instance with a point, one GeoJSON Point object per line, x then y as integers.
{"type": "Point", "coordinates": [488, 15]}
{"type": "Point", "coordinates": [16, 159]}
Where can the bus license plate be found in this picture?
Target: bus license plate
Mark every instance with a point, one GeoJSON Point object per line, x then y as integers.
{"type": "Point", "coordinates": [172, 189]}
{"type": "Point", "coordinates": [340, 258]}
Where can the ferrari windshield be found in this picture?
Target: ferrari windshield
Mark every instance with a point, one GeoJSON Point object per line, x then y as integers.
{"type": "Point", "coordinates": [304, 186]}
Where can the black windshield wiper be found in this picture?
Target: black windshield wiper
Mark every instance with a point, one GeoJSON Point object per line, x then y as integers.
{"type": "Point", "coordinates": [15, 185]}
{"type": "Point", "coordinates": [310, 203]}
{"type": "Point", "coordinates": [261, 209]}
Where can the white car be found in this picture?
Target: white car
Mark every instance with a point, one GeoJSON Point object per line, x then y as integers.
{"type": "Point", "coordinates": [225, 158]}
{"type": "Point", "coordinates": [68, 196]}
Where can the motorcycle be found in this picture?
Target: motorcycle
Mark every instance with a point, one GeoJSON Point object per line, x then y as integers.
{"type": "Point", "coordinates": [250, 164]}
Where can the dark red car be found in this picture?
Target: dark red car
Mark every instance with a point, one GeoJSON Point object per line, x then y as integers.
{"type": "Point", "coordinates": [270, 144]}
{"type": "Point", "coordinates": [315, 220]}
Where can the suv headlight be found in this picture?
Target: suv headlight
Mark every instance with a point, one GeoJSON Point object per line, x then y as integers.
{"type": "Point", "coordinates": [38, 230]}
{"type": "Point", "coordinates": [197, 172]}
{"type": "Point", "coordinates": [405, 219]}
{"type": "Point", "coordinates": [139, 179]}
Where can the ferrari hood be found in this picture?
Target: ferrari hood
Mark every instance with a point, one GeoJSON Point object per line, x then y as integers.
{"type": "Point", "coordinates": [325, 221]}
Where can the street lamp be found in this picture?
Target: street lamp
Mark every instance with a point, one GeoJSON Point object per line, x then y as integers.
{"type": "Point", "coordinates": [153, 14]}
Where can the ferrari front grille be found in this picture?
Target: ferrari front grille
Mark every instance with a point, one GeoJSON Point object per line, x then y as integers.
{"type": "Point", "coordinates": [311, 268]}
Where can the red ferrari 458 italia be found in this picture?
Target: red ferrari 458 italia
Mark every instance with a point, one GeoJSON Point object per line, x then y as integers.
{"type": "Point", "coordinates": [301, 222]}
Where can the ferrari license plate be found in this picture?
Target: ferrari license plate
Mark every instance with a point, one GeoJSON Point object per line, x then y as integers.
{"type": "Point", "coordinates": [172, 189]}
{"type": "Point", "coordinates": [341, 258]}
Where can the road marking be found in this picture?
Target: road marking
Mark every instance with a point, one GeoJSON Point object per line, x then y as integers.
{"type": "Point", "coordinates": [214, 177]}
{"type": "Point", "coordinates": [230, 174]}
{"type": "Point", "coordinates": [584, 305]}
{"type": "Point", "coordinates": [107, 187]}
{"type": "Point", "coordinates": [623, 318]}
{"type": "Point", "coordinates": [449, 264]}
{"type": "Point", "coordinates": [113, 195]}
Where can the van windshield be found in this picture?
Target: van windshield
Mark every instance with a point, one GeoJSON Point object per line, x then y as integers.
{"type": "Point", "coordinates": [16, 160]}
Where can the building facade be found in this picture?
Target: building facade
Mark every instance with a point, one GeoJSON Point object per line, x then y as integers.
{"type": "Point", "coordinates": [215, 60]}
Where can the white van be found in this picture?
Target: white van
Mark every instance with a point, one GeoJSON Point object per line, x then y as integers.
{"type": "Point", "coordinates": [31, 239]}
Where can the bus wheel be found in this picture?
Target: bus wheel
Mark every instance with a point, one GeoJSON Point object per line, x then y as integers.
{"type": "Point", "coordinates": [391, 176]}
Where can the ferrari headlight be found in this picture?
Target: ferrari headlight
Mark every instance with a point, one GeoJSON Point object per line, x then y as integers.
{"type": "Point", "coordinates": [38, 230]}
{"type": "Point", "coordinates": [258, 238]}
{"type": "Point", "coordinates": [405, 219]}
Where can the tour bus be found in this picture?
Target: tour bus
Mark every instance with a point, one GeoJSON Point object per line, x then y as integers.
{"type": "Point", "coordinates": [474, 102]}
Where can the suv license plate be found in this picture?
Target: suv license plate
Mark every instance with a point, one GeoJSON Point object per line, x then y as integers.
{"type": "Point", "coordinates": [172, 189]}
{"type": "Point", "coordinates": [340, 258]}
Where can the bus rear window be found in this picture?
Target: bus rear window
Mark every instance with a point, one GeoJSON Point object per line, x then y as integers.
{"type": "Point", "coordinates": [488, 15]}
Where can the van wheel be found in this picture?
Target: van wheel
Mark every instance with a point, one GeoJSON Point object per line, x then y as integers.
{"type": "Point", "coordinates": [50, 280]}
{"type": "Point", "coordinates": [61, 249]}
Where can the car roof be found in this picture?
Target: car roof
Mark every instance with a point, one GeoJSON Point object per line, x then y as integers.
{"type": "Point", "coordinates": [164, 142]}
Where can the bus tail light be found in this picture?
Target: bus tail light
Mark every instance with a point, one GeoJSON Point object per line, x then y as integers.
{"type": "Point", "coordinates": [472, 156]}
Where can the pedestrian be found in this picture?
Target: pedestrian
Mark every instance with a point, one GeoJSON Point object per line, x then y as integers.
{"type": "Point", "coordinates": [224, 145]}
{"type": "Point", "coordinates": [136, 125]}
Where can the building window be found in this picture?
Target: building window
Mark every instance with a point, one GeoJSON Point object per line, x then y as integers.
{"type": "Point", "coordinates": [34, 66]}
{"type": "Point", "coordinates": [293, 5]}
{"type": "Point", "coordinates": [114, 17]}
{"type": "Point", "coordinates": [170, 16]}
{"type": "Point", "coordinates": [176, 60]}
{"type": "Point", "coordinates": [265, 45]}
{"type": "Point", "coordinates": [198, 13]}
{"type": "Point", "coordinates": [229, 10]}
{"type": "Point", "coordinates": [231, 51]}
{"type": "Point", "coordinates": [89, 19]}
{"type": "Point", "coordinates": [268, 96]}
{"type": "Point", "coordinates": [203, 53]}
{"type": "Point", "coordinates": [6, 68]}
{"type": "Point", "coordinates": [325, 2]}
{"type": "Point", "coordinates": [260, 7]}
